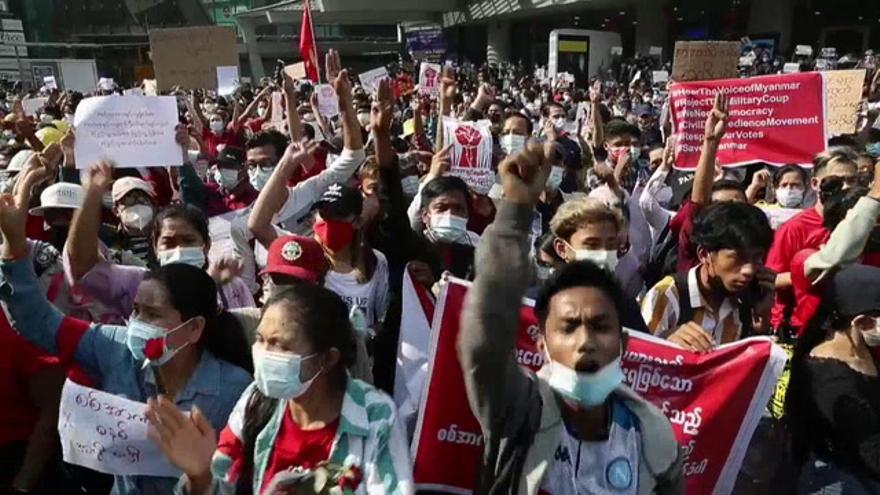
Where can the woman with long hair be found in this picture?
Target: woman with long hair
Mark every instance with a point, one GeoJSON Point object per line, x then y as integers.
{"type": "Point", "coordinates": [177, 342]}
{"type": "Point", "coordinates": [833, 400]}
{"type": "Point", "coordinates": [304, 413]}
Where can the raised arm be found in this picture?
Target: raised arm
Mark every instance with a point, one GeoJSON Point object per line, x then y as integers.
{"type": "Point", "coordinates": [294, 126]}
{"type": "Point", "coordinates": [249, 110]}
{"type": "Point", "coordinates": [82, 243]}
{"type": "Point", "coordinates": [598, 137]}
{"type": "Point", "coordinates": [275, 194]}
{"type": "Point", "coordinates": [381, 114]}
{"type": "Point", "coordinates": [447, 98]}
{"type": "Point", "coordinates": [716, 124]}
{"type": "Point", "coordinates": [351, 129]}
{"type": "Point", "coordinates": [193, 105]}
{"type": "Point", "coordinates": [490, 318]}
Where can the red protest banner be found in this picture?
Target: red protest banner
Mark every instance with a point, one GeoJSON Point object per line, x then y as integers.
{"type": "Point", "coordinates": [714, 401]}
{"type": "Point", "coordinates": [775, 119]}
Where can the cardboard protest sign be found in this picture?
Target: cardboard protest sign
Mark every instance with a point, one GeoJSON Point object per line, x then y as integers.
{"type": "Point", "coordinates": [843, 91]}
{"type": "Point", "coordinates": [189, 57]}
{"type": "Point", "coordinates": [108, 433]}
{"type": "Point", "coordinates": [227, 80]}
{"type": "Point", "coordinates": [471, 152]}
{"type": "Point", "coordinates": [296, 71]}
{"type": "Point", "coordinates": [328, 102]}
{"type": "Point", "coordinates": [33, 105]}
{"type": "Point", "coordinates": [130, 131]}
{"type": "Point", "coordinates": [429, 79]}
{"type": "Point", "coordinates": [714, 400]}
{"type": "Point", "coordinates": [776, 119]}
{"type": "Point", "coordinates": [370, 79]}
{"type": "Point", "coordinates": [705, 60]}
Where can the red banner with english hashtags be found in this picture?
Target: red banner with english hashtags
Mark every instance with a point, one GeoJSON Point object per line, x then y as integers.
{"type": "Point", "coordinates": [714, 400]}
{"type": "Point", "coordinates": [776, 119]}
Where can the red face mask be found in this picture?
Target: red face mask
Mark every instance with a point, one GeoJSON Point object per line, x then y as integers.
{"type": "Point", "coordinates": [333, 234]}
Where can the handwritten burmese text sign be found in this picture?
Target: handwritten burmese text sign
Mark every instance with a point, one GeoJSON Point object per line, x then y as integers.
{"type": "Point", "coordinates": [705, 60]}
{"type": "Point", "coordinates": [775, 119]}
{"type": "Point", "coordinates": [843, 89]}
{"type": "Point", "coordinates": [130, 131]}
{"type": "Point", "coordinates": [714, 400]}
{"type": "Point", "coordinates": [107, 433]}
{"type": "Point", "coordinates": [189, 57]}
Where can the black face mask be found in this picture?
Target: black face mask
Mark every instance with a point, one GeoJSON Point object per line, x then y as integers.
{"type": "Point", "coordinates": [58, 236]}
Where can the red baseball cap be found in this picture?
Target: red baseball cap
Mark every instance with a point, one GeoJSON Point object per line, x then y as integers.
{"type": "Point", "coordinates": [297, 256]}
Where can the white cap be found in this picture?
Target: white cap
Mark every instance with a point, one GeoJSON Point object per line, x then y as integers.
{"type": "Point", "coordinates": [60, 195]}
{"type": "Point", "coordinates": [19, 161]}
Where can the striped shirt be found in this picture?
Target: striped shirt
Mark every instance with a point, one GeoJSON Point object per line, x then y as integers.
{"type": "Point", "coordinates": [369, 437]}
{"type": "Point", "coordinates": [661, 308]}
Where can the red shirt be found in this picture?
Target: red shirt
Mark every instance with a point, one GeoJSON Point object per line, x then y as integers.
{"type": "Point", "coordinates": [297, 447]}
{"type": "Point", "coordinates": [219, 203]}
{"type": "Point", "coordinates": [682, 227]}
{"type": "Point", "coordinates": [230, 137]}
{"type": "Point", "coordinates": [806, 295]}
{"type": "Point", "coordinates": [255, 124]}
{"type": "Point", "coordinates": [803, 231]}
{"type": "Point", "coordinates": [19, 361]}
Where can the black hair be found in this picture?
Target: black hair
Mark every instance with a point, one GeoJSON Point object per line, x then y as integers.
{"type": "Point", "coordinates": [732, 225]}
{"type": "Point", "coordinates": [578, 274]}
{"type": "Point", "coordinates": [323, 317]}
{"type": "Point", "coordinates": [836, 206]}
{"type": "Point", "coordinates": [781, 171]}
{"type": "Point", "coordinates": [512, 114]}
{"type": "Point", "coordinates": [193, 293]}
{"type": "Point", "coordinates": [837, 153]}
{"type": "Point", "coordinates": [309, 131]}
{"type": "Point", "coordinates": [546, 110]}
{"type": "Point", "coordinates": [442, 185]}
{"type": "Point", "coordinates": [800, 410]}
{"type": "Point", "coordinates": [843, 140]}
{"type": "Point", "coordinates": [268, 138]}
{"type": "Point", "coordinates": [605, 113]}
{"type": "Point", "coordinates": [873, 135]}
{"type": "Point", "coordinates": [187, 212]}
{"type": "Point", "coordinates": [619, 127]}
{"type": "Point", "coordinates": [728, 185]}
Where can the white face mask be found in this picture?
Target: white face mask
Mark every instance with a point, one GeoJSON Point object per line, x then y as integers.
{"type": "Point", "coordinates": [192, 156]}
{"type": "Point", "coordinates": [789, 197]}
{"type": "Point", "coordinates": [555, 178]}
{"type": "Point", "coordinates": [227, 178]}
{"type": "Point", "coordinates": [217, 126]}
{"type": "Point", "coordinates": [600, 257]}
{"type": "Point", "coordinates": [872, 337]}
{"type": "Point", "coordinates": [259, 177]}
{"type": "Point", "coordinates": [449, 228]}
{"type": "Point", "coordinates": [363, 119]}
{"type": "Point", "coordinates": [586, 389]}
{"type": "Point", "coordinates": [277, 374]}
{"type": "Point", "coordinates": [410, 185]}
{"type": "Point", "coordinates": [559, 124]}
{"type": "Point", "coordinates": [136, 217]}
{"type": "Point", "coordinates": [193, 256]}
{"type": "Point", "coordinates": [512, 143]}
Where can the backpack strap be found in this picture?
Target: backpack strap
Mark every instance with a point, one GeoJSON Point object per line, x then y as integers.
{"type": "Point", "coordinates": [685, 312]}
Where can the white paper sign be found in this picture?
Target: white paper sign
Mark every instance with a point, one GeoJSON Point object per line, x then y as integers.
{"type": "Point", "coordinates": [804, 50]}
{"type": "Point", "coordinates": [660, 76]}
{"type": "Point", "coordinates": [150, 87]}
{"type": "Point", "coordinates": [617, 50]}
{"type": "Point", "coordinates": [471, 152]}
{"type": "Point", "coordinates": [133, 92]}
{"type": "Point", "coordinates": [791, 67]}
{"type": "Point", "coordinates": [227, 80]}
{"type": "Point", "coordinates": [106, 83]}
{"type": "Point", "coordinates": [429, 79]}
{"type": "Point", "coordinates": [655, 50]}
{"type": "Point", "coordinates": [107, 433]}
{"type": "Point", "coordinates": [33, 105]}
{"type": "Point", "coordinates": [220, 230]}
{"type": "Point", "coordinates": [370, 79]}
{"type": "Point", "coordinates": [131, 131]}
{"type": "Point", "coordinates": [50, 83]}
{"type": "Point", "coordinates": [829, 52]}
{"type": "Point", "coordinates": [328, 102]}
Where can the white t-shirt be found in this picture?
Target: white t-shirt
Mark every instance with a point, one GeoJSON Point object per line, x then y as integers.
{"type": "Point", "coordinates": [370, 297]}
{"type": "Point", "coordinates": [597, 468]}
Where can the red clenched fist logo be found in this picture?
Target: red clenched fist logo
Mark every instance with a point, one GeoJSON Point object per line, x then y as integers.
{"type": "Point", "coordinates": [469, 138]}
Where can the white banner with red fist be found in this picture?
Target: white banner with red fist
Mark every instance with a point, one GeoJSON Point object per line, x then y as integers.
{"type": "Point", "coordinates": [714, 400]}
{"type": "Point", "coordinates": [471, 152]}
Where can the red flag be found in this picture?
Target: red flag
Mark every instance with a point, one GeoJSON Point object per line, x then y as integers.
{"type": "Point", "coordinates": [308, 48]}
